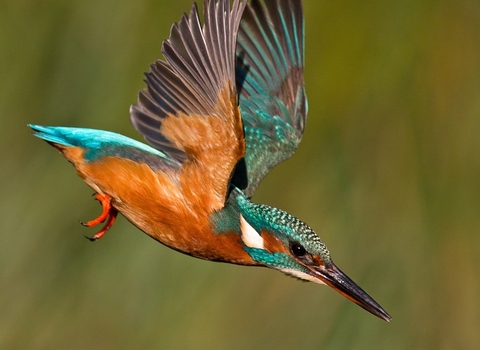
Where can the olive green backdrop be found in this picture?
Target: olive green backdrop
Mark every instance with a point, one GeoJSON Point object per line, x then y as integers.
{"type": "Point", "coordinates": [388, 174]}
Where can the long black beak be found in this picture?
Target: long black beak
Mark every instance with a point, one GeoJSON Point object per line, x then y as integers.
{"type": "Point", "coordinates": [335, 278]}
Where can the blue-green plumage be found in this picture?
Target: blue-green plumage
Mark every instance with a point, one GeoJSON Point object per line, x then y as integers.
{"type": "Point", "coordinates": [99, 143]}
{"type": "Point", "coordinates": [227, 219]}
{"type": "Point", "coordinates": [275, 260]}
{"type": "Point", "coordinates": [286, 226]}
{"type": "Point", "coordinates": [269, 74]}
{"type": "Point", "coordinates": [90, 139]}
{"type": "Point", "coordinates": [264, 218]}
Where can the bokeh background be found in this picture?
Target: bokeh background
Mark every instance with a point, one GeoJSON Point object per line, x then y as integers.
{"type": "Point", "coordinates": [388, 174]}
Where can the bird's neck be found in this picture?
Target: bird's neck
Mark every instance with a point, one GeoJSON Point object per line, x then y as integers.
{"type": "Point", "coordinates": [251, 224]}
{"type": "Point", "coordinates": [228, 218]}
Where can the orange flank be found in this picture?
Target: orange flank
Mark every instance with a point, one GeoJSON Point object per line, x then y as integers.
{"type": "Point", "coordinates": [174, 207]}
{"type": "Point", "coordinates": [161, 205]}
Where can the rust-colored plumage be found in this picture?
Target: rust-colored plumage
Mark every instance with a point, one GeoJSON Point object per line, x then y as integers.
{"type": "Point", "coordinates": [161, 204]}
{"type": "Point", "coordinates": [213, 144]}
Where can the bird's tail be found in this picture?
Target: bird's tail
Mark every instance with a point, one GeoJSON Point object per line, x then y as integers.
{"type": "Point", "coordinates": [100, 143]}
{"type": "Point", "coordinates": [55, 134]}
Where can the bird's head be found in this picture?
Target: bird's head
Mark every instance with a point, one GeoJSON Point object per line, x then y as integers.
{"type": "Point", "coordinates": [278, 240]}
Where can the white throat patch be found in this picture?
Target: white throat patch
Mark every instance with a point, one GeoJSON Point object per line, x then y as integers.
{"type": "Point", "coordinates": [250, 237]}
{"type": "Point", "coordinates": [302, 275]}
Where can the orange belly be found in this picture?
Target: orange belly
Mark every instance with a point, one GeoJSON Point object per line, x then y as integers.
{"type": "Point", "coordinates": [161, 205]}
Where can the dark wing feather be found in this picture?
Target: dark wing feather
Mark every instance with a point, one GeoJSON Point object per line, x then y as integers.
{"type": "Point", "coordinates": [198, 63]}
{"type": "Point", "coordinates": [269, 76]}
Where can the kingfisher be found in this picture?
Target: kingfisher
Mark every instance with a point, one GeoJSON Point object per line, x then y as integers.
{"type": "Point", "coordinates": [225, 106]}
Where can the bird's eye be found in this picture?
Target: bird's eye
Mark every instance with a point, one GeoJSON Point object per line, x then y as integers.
{"type": "Point", "coordinates": [298, 250]}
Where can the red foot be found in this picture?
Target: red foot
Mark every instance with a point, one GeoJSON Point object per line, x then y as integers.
{"type": "Point", "coordinates": [108, 212]}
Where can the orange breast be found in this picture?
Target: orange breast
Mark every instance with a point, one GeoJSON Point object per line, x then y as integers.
{"type": "Point", "coordinates": [160, 204]}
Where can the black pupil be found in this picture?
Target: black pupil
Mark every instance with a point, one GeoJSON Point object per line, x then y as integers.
{"type": "Point", "coordinates": [298, 250]}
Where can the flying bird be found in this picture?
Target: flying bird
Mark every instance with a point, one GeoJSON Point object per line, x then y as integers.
{"type": "Point", "coordinates": [224, 107]}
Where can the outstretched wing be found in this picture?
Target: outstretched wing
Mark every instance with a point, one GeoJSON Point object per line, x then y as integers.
{"type": "Point", "coordinates": [189, 108]}
{"type": "Point", "coordinates": [269, 76]}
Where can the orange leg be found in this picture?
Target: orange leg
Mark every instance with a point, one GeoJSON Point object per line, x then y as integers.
{"type": "Point", "coordinates": [111, 219]}
{"type": "Point", "coordinates": [105, 200]}
{"type": "Point", "coordinates": [108, 212]}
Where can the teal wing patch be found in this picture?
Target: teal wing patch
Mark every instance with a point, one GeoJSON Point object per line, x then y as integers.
{"type": "Point", "coordinates": [269, 76]}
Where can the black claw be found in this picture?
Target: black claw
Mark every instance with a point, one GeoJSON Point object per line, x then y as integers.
{"type": "Point", "coordinates": [91, 239]}
{"type": "Point", "coordinates": [82, 223]}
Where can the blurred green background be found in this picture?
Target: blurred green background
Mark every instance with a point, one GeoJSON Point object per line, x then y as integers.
{"type": "Point", "coordinates": [388, 174]}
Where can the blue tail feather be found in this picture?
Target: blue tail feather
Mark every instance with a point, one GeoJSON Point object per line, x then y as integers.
{"type": "Point", "coordinates": [88, 138]}
{"type": "Point", "coordinates": [100, 143]}
{"type": "Point", "coordinates": [51, 134]}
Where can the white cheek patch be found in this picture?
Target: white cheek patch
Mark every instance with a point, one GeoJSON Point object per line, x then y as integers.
{"type": "Point", "coordinates": [302, 275]}
{"type": "Point", "coordinates": [250, 237]}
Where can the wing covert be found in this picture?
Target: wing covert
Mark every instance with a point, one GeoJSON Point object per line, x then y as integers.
{"type": "Point", "coordinates": [190, 108]}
